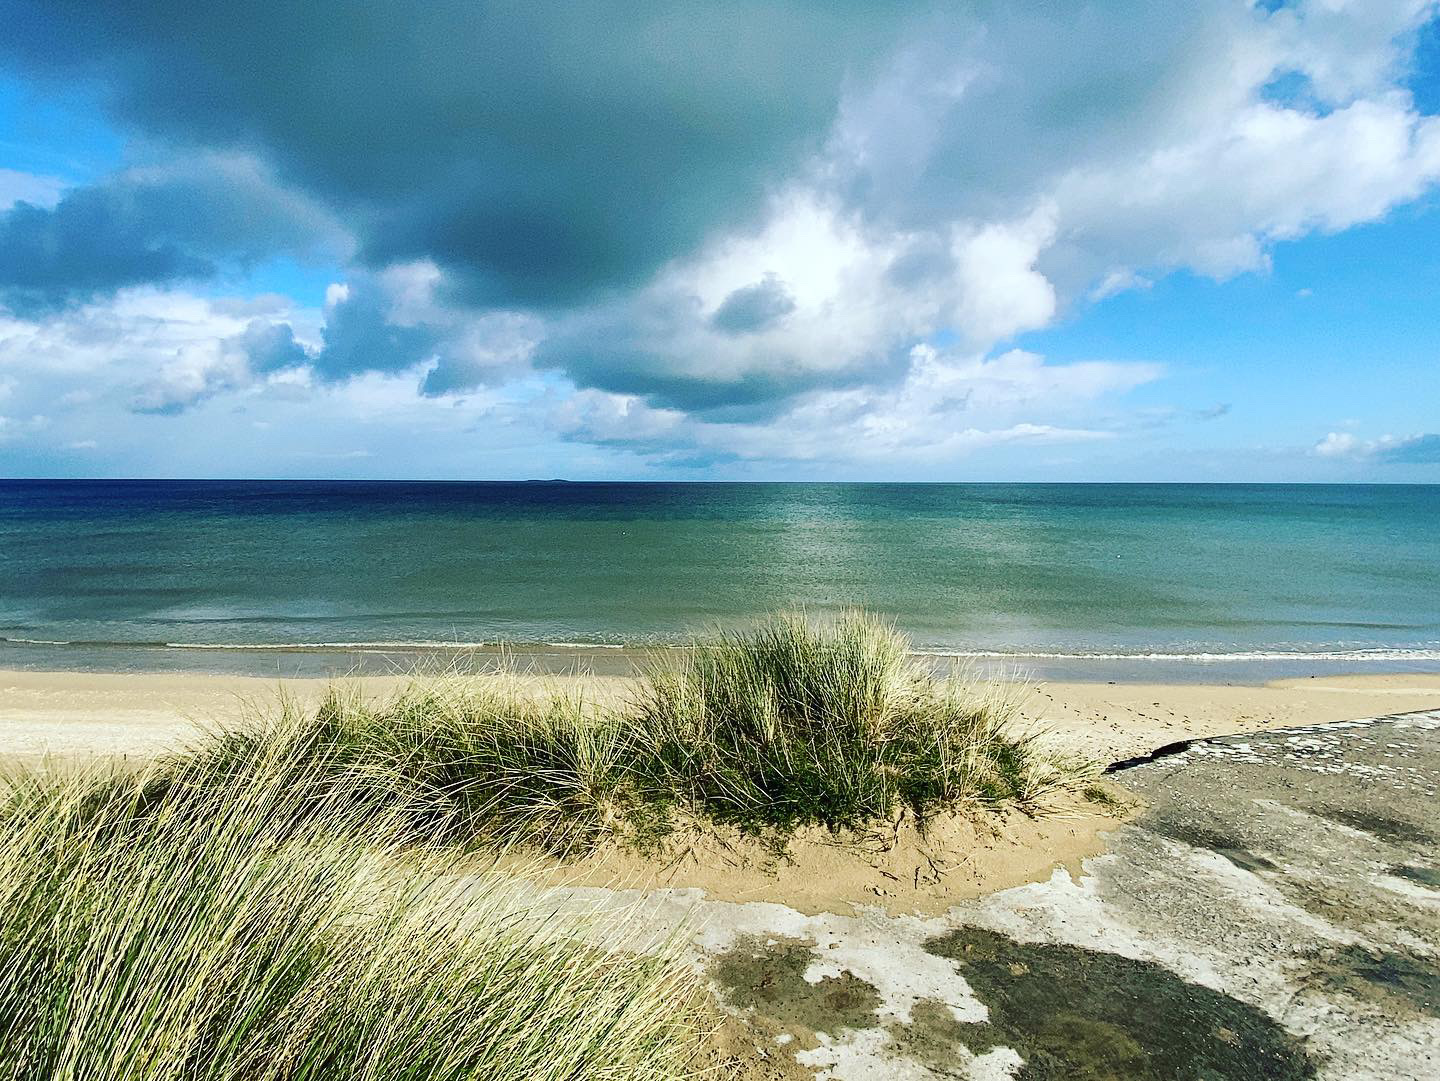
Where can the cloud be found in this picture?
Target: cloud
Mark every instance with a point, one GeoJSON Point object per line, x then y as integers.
{"type": "Point", "coordinates": [394, 321]}
{"type": "Point", "coordinates": [481, 352]}
{"type": "Point", "coordinates": [753, 220]}
{"type": "Point", "coordinates": [13, 428]}
{"type": "Point", "coordinates": [1387, 450]}
{"type": "Point", "coordinates": [598, 145]}
{"type": "Point", "coordinates": [947, 407]}
{"type": "Point", "coordinates": [1415, 450]}
{"type": "Point", "coordinates": [1341, 445]}
{"type": "Point", "coordinates": [151, 226]}
{"type": "Point", "coordinates": [271, 347]}
{"type": "Point", "coordinates": [753, 307]}
{"type": "Point", "coordinates": [848, 319]}
{"type": "Point", "coordinates": [201, 369]}
{"type": "Point", "coordinates": [151, 351]}
{"type": "Point", "coordinates": [536, 152]}
{"type": "Point", "coordinates": [33, 188]}
{"type": "Point", "coordinates": [983, 183]}
{"type": "Point", "coordinates": [359, 335]}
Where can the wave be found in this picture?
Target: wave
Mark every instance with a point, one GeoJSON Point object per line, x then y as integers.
{"type": "Point", "coordinates": [1369, 653]}
{"type": "Point", "coordinates": [1376, 653]}
{"type": "Point", "coordinates": [415, 645]}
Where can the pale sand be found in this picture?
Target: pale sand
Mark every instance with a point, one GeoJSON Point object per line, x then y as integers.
{"type": "Point", "coordinates": [896, 867]}
{"type": "Point", "coordinates": [139, 714]}
{"type": "Point", "coordinates": [1120, 720]}
{"type": "Point", "coordinates": [901, 870]}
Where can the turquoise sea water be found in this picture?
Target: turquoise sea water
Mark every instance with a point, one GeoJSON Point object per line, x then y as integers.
{"type": "Point", "coordinates": [1080, 578]}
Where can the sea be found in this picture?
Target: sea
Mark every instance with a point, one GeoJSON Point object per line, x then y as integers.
{"type": "Point", "coordinates": [1196, 582]}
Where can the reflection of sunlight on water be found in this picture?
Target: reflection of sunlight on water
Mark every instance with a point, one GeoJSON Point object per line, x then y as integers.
{"type": "Point", "coordinates": [272, 610]}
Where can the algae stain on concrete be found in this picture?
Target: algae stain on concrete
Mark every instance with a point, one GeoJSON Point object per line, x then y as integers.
{"type": "Point", "coordinates": [1390, 979]}
{"type": "Point", "coordinates": [1082, 1015]}
{"type": "Point", "coordinates": [1424, 876]}
{"type": "Point", "coordinates": [767, 975]}
{"type": "Point", "coordinates": [1386, 827]}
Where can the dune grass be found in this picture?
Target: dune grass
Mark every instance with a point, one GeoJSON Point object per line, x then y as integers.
{"type": "Point", "coordinates": [280, 928]}
{"type": "Point", "coordinates": [283, 899]}
{"type": "Point", "coordinates": [790, 724]}
{"type": "Point", "coordinates": [794, 723]}
{"type": "Point", "coordinates": [462, 761]}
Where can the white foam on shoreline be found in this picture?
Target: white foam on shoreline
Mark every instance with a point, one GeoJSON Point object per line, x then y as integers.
{"type": "Point", "coordinates": [1375, 653]}
{"type": "Point", "coordinates": [1371, 654]}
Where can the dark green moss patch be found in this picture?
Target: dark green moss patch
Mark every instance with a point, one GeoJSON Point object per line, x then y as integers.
{"type": "Point", "coordinates": [768, 976]}
{"type": "Point", "coordinates": [1426, 876]}
{"type": "Point", "coordinates": [933, 1036]}
{"type": "Point", "coordinates": [1079, 1015]}
{"type": "Point", "coordinates": [1390, 979]}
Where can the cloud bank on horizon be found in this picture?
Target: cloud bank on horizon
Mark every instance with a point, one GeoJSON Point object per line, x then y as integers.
{"type": "Point", "coordinates": [748, 238]}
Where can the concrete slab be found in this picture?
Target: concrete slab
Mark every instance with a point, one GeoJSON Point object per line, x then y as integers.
{"type": "Point", "coordinates": [1274, 913]}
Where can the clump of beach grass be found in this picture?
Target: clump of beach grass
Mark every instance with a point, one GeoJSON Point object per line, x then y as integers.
{"type": "Point", "coordinates": [792, 723]}
{"type": "Point", "coordinates": [281, 928]}
{"type": "Point", "coordinates": [485, 760]}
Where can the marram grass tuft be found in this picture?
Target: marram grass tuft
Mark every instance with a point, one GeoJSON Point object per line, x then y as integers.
{"type": "Point", "coordinates": [282, 929]}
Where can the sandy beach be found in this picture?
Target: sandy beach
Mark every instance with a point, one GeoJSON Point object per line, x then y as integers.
{"type": "Point", "coordinates": [81, 715]}
{"type": "Point", "coordinates": [138, 714]}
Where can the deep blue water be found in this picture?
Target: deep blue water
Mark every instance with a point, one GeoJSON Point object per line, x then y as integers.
{"type": "Point", "coordinates": [129, 573]}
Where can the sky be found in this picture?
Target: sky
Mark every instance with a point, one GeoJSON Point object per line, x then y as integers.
{"type": "Point", "coordinates": [721, 239]}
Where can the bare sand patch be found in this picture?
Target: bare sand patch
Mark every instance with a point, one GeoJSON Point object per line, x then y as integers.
{"type": "Point", "coordinates": [1111, 721]}
{"type": "Point", "coordinates": [902, 867]}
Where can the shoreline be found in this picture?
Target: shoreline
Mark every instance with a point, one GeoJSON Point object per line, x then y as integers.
{"type": "Point", "coordinates": [331, 660]}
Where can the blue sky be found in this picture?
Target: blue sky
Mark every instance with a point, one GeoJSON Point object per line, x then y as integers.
{"type": "Point", "coordinates": [769, 240]}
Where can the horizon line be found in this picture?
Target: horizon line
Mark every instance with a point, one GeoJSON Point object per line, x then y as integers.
{"type": "Point", "coordinates": [698, 481]}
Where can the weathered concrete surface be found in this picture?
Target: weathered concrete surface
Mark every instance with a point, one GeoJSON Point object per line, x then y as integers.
{"type": "Point", "coordinates": [1273, 913]}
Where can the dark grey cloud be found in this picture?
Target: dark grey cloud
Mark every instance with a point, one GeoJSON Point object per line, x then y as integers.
{"type": "Point", "coordinates": [150, 227]}
{"type": "Point", "coordinates": [83, 247]}
{"type": "Point", "coordinates": [754, 307]}
{"type": "Point", "coordinates": [538, 152]}
{"type": "Point", "coordinates": [271, 347]}
{"type": "Point", "coordinates": [360, 336]}
{"type": "Point", "coordinates": [450, 377]}
{"type": "Point", "coordinates": [1417, 450]}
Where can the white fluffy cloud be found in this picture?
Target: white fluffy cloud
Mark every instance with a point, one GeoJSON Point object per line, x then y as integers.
{"type": "Point", "coordinates": [1420, 449]}
{"type": "Point", "coordinates": [146, 349]}
{"type": "Point", "coordinates": [35, 188]}
{"type": "Point", "coordinates": [855, 304]}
